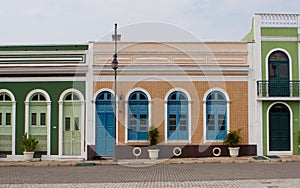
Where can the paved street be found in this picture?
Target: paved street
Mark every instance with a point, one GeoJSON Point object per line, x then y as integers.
{"type": "Point", "coordinates": [281, 174]}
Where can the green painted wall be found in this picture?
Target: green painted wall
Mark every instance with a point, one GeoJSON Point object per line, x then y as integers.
{"type": "Point", "coordinates": [54, 89]}
{"type": "Point", "coordinates": [296, 124]}
{"type": "Point", "coordinates": [279, 32]}
{"type": "Point", "coordinates": [250, 36]}
{"type": "Point", "coordinates": [290, 47]}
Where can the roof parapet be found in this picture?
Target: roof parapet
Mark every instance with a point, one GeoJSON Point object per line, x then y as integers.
{"type": "Point", "coordinates": [278, 20]}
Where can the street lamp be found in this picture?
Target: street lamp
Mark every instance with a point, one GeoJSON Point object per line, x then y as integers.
{"type": "Point", "coordinates": [114, 65]}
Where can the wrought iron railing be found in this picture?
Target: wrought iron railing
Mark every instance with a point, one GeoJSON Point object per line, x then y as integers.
{"type": "Point", "coordinates": [278, 88]}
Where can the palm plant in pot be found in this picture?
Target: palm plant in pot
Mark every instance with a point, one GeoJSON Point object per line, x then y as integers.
{"type": "Point", "coordinates": [232, 140]}
{"type": "Point", "coordinates": [153, 135]}
{"type": "Point", "coordinates": [28, 144]}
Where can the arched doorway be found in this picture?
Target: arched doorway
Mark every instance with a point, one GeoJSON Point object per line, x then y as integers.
{"type": "Point", "coordinates": [38, 119]}
{"type": "Point", "coordinates": [7, 122]}
{"type": "Point", "coordinates": [72, 124]}
{"type": "Point", "coordinates": [138, 116]}
{"type": "Point", "coordinates": [279, 75]}
{"type": "Point", "coordinates": [178, 116]}
{"type": "Point", "coordinates": [279, 128]}
{"type": "Point", "coordinates": [105, 124]}
{"type": "Point", "coordinates": [216, 116]}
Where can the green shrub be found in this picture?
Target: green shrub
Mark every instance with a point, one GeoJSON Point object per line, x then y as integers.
{"type": "Point", "coordinates": [153, 134]}
{"type": "Point", "coordinates": [28, 143]}
{"type": "Point", "coordinates": [233, 138]}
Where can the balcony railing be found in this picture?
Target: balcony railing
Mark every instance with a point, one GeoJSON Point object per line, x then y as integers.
{"type": "Point", "coordinates": [278, 88]}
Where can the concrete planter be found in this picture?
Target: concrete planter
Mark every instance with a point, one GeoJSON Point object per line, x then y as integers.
{"type": "Point", "coordinates": [153, 153]}
{"type": "Point", "coordinates": [28, 156]}
{"type": "Point", "coordinates": [234, 151]}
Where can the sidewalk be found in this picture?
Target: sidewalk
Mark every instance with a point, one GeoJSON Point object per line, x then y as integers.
{"type": "Point", "coordinates": [248, 159]}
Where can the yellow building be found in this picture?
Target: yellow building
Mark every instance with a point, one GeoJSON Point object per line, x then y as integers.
{"type": "Point", "coordinates": [193, 92]}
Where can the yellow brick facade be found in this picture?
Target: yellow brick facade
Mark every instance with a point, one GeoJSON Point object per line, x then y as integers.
{"type": "Point", "coordinates": [236, 90]}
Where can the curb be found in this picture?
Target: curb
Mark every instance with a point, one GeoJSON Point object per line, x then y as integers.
{"type": "Point", "coordinates": [151, 162]}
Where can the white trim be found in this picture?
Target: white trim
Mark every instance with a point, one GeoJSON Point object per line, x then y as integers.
{"type": "Point", "coordinates": [82, 121]}
{"type": "Point", "coordinates": [48, 102]}
{"type": "Point", "coordinates": [42, 59]}
{"type": "Point", "coordinates": [71, 52]}
{"type": "Point", "coordinates": [126, 110]}
{"type": "Point", "coordinates": [13, 118]}
{"type": "Point", "coordinates": [267, 62]}
{"type": "Point", "coordinates": [117, 113]}
{"type": "Point", "coordinates": [204, 111]}
{"type": "Point", "coordinates": [185, 78]}
{"type": "Point", "coordinates": [42, 79]}
{"type": "Point", "coordinates": [227, 59]}
{"type": "Point", "coordinates": [279, 38]}
{"type": "Point", "coordinates": [278, 99]}
{"type": "Point", "coordinates": [89, 91]}
{"type": "Point", "coordinates": [189, 116]}
{"type": "Point", "coordinates": [152, 59]}
{"type": "Point", "coordinates": [252, 110]}
{"type": "Point", "coordinates": [257, 74]}
{"type": "Point", "coordinates": [291, 131]}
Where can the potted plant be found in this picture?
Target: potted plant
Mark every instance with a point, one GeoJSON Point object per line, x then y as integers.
{"type": "Point", "coordinates": [28, 144]}
{"type": "Point", "coordinates": [232, 140]}
{"type": "Point", "coordinates": [153, 135]}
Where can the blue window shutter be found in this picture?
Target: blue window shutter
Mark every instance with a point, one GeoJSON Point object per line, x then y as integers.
{"type": "Point", "coordinates": [138, 116]}
{"type": "Point", "coordinates": [216, 116]}
{"type": "Point", "coordinates": [177, 116]}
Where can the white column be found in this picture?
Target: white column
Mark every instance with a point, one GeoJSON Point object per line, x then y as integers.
{"type": "Point", "coordinates": [82, 111]}
{"type": "Point", "coordinates": [60, 128]}
{"type": "Point", "coordinates": [89, 94]}
{"type": "Point", "coordinates": [13, 133]}
{"type": "Point", "coordinates": [26, 117]}
{"type": "Point", "coordinates": [48, 127]}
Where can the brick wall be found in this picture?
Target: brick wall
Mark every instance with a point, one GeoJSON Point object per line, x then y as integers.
{"type": "Point", "coordinates": [237, 91]}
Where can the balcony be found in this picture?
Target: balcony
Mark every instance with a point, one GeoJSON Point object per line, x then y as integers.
{"type": "Point", "coordinates": [278, 88]}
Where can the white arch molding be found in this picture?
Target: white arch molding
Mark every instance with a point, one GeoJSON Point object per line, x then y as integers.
{"type": "Point", "coordinates": [13, 119]}
{"type": "Point", "coordinates": [189, 114]}
{"type": "Point", "coordinates": [82, 120]}
{"type": "Point", "coordinates": [126, 111]}
{"type": "Point", "coordinates": [228, 101]}
{"type": "Point", "coordinates": [48, 103]}
{"type": "Point", "coordinates": [291, 131]}
{"type": "Point", "coordinates": [267, 61]}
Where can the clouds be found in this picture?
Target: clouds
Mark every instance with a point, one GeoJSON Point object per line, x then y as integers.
{"type": "Point", "coordinates": [79, 21]}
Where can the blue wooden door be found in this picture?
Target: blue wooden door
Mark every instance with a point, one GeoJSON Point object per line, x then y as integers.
{"type": "Point", "coordinates": [216, 121]}
{"type": "Point", "coordinates": [105, 124]}
{"type": "Point", "coordinates": [138, 116]}
{"type": "Point", "coordinates": [177, 116]}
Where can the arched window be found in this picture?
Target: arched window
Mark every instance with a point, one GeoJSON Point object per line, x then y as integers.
{"type": "Point", "coordinates": [279, 75]}
{"type": "Point", "coordinates": [5, 123]}
{"type": "Point", "coordinates": [38, 120]}
{"type": "Point", "coordinates": [138, 116]}
{"type": "Point", "coordinates": [177, 116]}
{"type": "Point", "coordinates": [216, 116]}
{"type": "Point", "coordinates": [71, 97]}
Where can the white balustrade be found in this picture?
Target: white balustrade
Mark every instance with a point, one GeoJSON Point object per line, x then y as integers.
{"type": "Point", "coordinates": [279, 20]}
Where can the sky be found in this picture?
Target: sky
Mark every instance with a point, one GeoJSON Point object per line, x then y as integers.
{"type": "Point", "coordinates": [26, 22]}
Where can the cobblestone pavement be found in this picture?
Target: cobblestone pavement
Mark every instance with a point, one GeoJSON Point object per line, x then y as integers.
{"type": "Point", "coordinates": [262, 183]}
{"type": "Point", "coordinates": [270, 175]}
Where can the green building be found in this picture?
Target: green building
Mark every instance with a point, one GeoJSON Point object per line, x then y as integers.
{"type": "Point", "coordinates": [42, 93]}
{"type": "Point", "coordinates": [274, 41]}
